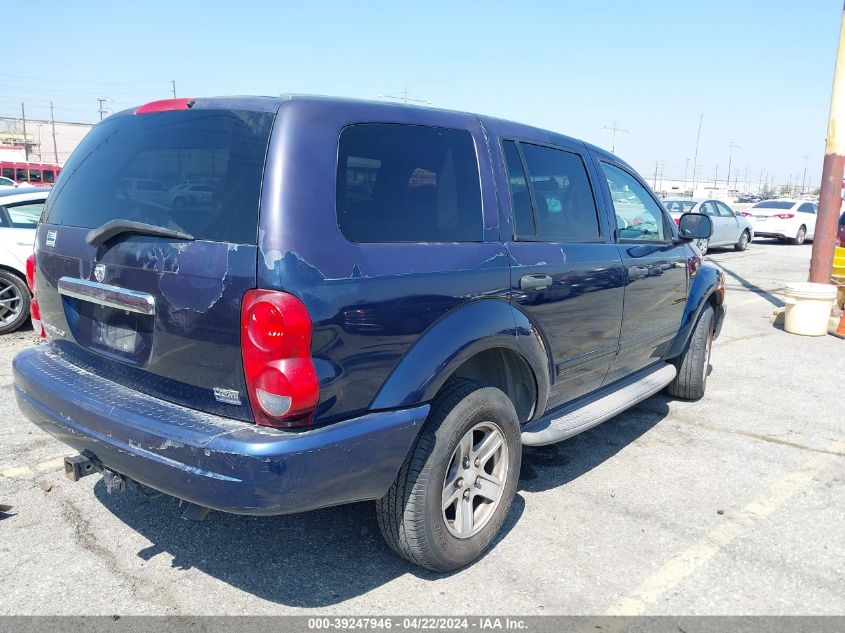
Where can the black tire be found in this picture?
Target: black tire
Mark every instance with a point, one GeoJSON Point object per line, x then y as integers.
{"type": "Point", "coordinates": [800, 237]}
{"type": "Point", "coordinates": [742, 244]}
{"type": "Point", "coordinates": [411, 515]}
{"type": "Point", "coordinates": [693, 364]}
{"type": "Point", "coordinates": [14, 302]}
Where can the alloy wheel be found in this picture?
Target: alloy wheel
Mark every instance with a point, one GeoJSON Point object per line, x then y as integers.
{"type": "Point", "coordinates": [11, 302]}
{"type": "Point", "coordinates": [475, 480]}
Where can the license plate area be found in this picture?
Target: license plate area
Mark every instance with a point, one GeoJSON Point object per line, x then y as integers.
{"type": "Point", "coordinates": [120, 334]}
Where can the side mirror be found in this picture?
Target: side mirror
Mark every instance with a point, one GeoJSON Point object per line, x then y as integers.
{"type": "Point", "coordinates": [695, 226]}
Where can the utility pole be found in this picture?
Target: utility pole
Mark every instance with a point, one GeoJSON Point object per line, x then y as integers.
{"type": "Point", "coordinates": [686, 169]}
{"type": "Point", "coordinates": [654, 184]}
{"type": "Point", "coordinates": [745, 180]}
{"type": "Point", "coordinates": [695, 159]}
{"type": "Point", "coordinates": [830, 197]}
{"type": "Point", "coordinates": [53, 125]}
{"type": "Point", "coordinates": [102, 110]}
{"type": "Point", "coordinates": [732, 146]}
{"type": "Point", "coordinates": [614, 128]}
{"type": "Point", "coordinates": [806, 157]}
{"type": "Point", "coordinates": [716, 177]}
{"type": "Point", "coordinates": [173, 84]}
{"type": "Point", "coordinates": [25, 143]}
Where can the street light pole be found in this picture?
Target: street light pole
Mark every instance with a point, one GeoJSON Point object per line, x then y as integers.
{"type": "Point", "coordinates": [830, 197]}
{"type": "Point", "coordinates": [615, 128]}
{"type": "Point", "coordinates": [732, 145]}
{"type": "Point", "coordinates": [695, 159]}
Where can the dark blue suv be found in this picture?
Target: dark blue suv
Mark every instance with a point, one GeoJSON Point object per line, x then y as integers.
{"type": "Point", "coordinates": [269, 305]}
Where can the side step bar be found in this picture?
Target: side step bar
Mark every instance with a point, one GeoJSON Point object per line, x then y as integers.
{"type": "Point", "coordinates": [585, 413]}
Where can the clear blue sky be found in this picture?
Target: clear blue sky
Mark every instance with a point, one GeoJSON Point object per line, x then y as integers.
{"type": "Point", "coordinates": [759, 71]}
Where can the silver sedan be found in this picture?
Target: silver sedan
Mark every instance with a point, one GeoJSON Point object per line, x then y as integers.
{"type": "Point", "coordinates": [729, 227]}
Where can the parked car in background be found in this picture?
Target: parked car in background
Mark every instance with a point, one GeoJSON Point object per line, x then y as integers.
{"type": "Point", "coordinates": [787, 220]}
{"type": "Point", "coordinates": [380, 302]}
{"type": "Point", "coordinates": [730, 228]}
{"type": "Point", "coordinates": [191, 195]}
{"type": "Point", "coordinates": [20, 210]}
{"type": "Point", "coordinates": [7, 183]}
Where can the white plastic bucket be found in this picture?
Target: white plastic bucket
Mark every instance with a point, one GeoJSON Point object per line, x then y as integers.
{"type": "Point", "coordinates": [808, 307]}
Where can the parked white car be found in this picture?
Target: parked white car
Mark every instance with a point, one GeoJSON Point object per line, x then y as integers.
{"type": "Point", "coordinates": [786, 220]}
{"type": "Point", "coordinates": [730, 228]}
{"type": "Point", "coordinates": [20, 210]}
{"type": "Point", "coordinates": [7, 183]}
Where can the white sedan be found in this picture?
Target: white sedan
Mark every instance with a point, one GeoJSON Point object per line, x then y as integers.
{"type": "Point", "coordinates": [786, 220]}
{"type": "Point", "coordinates": [20, 210]}
{"type": "Point", "coordinates": [729, 227]}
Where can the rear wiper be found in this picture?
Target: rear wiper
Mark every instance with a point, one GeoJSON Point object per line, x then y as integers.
{"type": "Point", "coordinates": [116, 227]}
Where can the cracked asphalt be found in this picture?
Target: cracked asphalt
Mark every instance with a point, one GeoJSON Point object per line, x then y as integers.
{"type": "Point", "coordinates": [731, 505]}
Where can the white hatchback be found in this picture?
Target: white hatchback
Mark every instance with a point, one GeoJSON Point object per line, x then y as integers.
{"type": "Point", "coordinates": [20, 210]}
{"type": "Point", "coordinates": [786, 220]}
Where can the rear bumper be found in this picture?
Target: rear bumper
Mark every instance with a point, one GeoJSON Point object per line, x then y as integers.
{"type": "Point", "coordinates": [208, 460]}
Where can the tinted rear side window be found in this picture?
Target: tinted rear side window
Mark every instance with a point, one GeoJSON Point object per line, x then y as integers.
{"type": "Point", "coordinates": [520, 196]}
{"type": "Point", "coordinates": [408, 183]}
{"type": "Point", "coordinates": [565, 208]}
{"type": "Point", "coordinates": [197, 171]}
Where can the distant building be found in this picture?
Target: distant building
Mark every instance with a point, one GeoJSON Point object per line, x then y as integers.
{"type": "Point", "coordinates": [38, 143]}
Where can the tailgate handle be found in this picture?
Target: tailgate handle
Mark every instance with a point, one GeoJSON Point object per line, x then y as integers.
{"type": "Point", "coordinates": [109, 296]}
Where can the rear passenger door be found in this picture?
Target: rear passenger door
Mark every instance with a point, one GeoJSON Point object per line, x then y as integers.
{"type": "Point", "coordinates": [655, 272]}
{"type": "Point", "coordinates": [728, 224]}
{"type": "Point", "coordinates": [566, 275]}
{"type": "Point", "coordinates": [807, 213]}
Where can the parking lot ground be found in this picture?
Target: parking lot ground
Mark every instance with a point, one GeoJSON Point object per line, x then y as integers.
{"type": "Point", "coordinates": [731, 505]}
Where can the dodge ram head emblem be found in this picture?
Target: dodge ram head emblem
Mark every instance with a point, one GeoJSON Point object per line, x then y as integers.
{"type": "Point", "coordinates": [99, 272]}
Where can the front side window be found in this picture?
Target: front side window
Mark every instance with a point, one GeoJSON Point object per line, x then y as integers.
{"type": "Point", "coordinates": [408, 183]}
{"type": "Point", "coordinates": [638, 215]}
{"type": "Point", "coordinates": [565, 209]}
{"type": "Point", "coordinates": [806, 208]}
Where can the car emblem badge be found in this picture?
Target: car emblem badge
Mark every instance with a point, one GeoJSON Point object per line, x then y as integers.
{"type": "Point", "coordinates": [99, 272]}
{"type": "Point", "coordinates": [51, 239]}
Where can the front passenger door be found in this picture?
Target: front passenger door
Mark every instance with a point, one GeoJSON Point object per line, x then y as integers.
{"type": "Point", "coordinates": [655, 273]}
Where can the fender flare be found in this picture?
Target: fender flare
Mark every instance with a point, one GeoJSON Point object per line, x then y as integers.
{"type": "Point", "coordinates": [456, 337]}
{"type": "Point", "coordinates": [705, 285]}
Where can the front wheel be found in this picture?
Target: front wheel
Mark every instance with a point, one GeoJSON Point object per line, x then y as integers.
{"type": "Point", "coordinates": [694, 363]}
{"type": "Point", "coordinates": [800, 237]}
{"type": "Point", "coordinates": [456, 486]}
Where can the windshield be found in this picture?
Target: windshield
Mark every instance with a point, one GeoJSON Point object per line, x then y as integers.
{"type": "Point", "coordinates": [195, 171]}
{"type": "Point", "coordinates": [774, 204]}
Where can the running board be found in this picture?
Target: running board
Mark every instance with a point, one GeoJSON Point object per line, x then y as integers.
{"type": "Point", "coordinates": [585, 413]}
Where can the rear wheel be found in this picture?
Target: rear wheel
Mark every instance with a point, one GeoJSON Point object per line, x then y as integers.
{"type": "Point", "coordinates": [456, 486]}
{"type": "Point", "coordinates": [800, 237]}
{"type": "Point", "coordinates": [694, 363]}
{"type": "Point", "coordinates": [14, 302]}
{"type": "Point", "coordinates": [703, 245]}
{"type": "Point", "coordinates": [742, 244]}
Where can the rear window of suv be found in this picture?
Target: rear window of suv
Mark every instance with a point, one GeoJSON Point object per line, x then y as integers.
{"type": "Point", "coordinates": [197, 171]}
{"type": "Point", "coordinates": [408, 183]}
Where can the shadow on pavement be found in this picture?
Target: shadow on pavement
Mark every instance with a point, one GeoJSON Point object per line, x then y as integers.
{"type": "Point", "coordinates": [313, 559]}
{"type": "Point", "coordinates": [324, 557]}
{"type": "Point", "coordinates": [768, 296]}
{"type": "Point", "coordinates": [547, 467]}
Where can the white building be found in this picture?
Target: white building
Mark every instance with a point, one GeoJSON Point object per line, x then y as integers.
{"type": "Point", "coordinates": [40, 145]}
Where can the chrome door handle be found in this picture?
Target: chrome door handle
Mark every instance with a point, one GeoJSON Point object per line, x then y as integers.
{"type": "Point", "coordinates": [534, 282]}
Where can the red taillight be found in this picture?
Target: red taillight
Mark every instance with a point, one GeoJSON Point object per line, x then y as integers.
{"type": "Point", "coordinates": [677, 221]}
{"type": "Point", "coordinates": [30, 272]}
{"type": "Point", "coordinates": [745, 214]}
{"type": "Point", "coordinates": [165, 105]}
{"type": "Point", "coordinates": [34, 310]}
{"type": "Point", "coordinates": [276, 347]}
{"type": "Point", "coordinates": [784, 216]}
